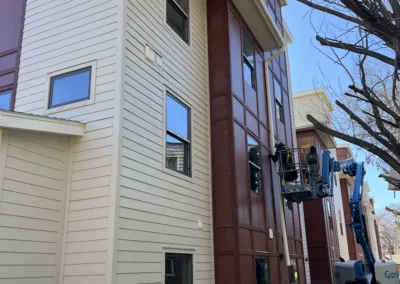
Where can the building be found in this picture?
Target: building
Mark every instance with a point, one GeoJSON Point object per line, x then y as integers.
{"type": "Point", "coordinates": [324, 214]}
{"type": "Point", "coordinates": [370, 220]}
{"type": "Point", "coordinates": [134, 143]}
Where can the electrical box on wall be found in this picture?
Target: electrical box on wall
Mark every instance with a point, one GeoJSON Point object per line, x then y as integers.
{"type": "Point", "coordinates": [152, 56]}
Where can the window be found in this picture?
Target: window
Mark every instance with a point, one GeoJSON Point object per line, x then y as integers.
{"type": "Point", "coordinates": [178, 268]}
{"type": "Point", "coordinates": [70, 87]}
{"type": "Point", "coordinates": [254, 164]}
{"type": "Point", "coordinates": [262, 274]}
{"type": "Point", "coordinates": [294, 275]}
{"type": "Point", "coordinates": [329, 211]}
{"type": "Point", "coordinates": [249, 72]}
{"type": "Point", "coordinates": [5, 100]}
{"type": "Point", "coordinates": [178, 17]}
{"type": "Point", "coordinates": [279, 100]}
{"type": "Point", "coordinates": [340, 222]}
{"type": "Point", "coordinates": [178, 136]}
{"type": "Point", "coordinates": [335, 179]}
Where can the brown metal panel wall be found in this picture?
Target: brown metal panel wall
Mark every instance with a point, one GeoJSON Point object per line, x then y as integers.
{"type": "Point", "coordinates": [12, 14]}
{"type": "Point", "coordinates": [241, 217]}
{"type": "Point", "coordinates": [322, 238]}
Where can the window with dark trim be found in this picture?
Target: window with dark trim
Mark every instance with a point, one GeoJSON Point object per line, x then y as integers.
{"type": "Point", "coordinates": [330, 217]}
{"type": "Point", "coordinates": [278, 100]}
{"type": "Point", "coordinates": [249, 71]}
{"type": "Point", "coordinates": [294, 273]}
{"type": "Point", "coordinates": [5, 99]}
{"type": "Point", "coordinates": [178, 17]}
{"type": "Point", "coordinates": [178, 268]}
{"type": "Point", "coordinates": [253, 148]}
{"type": "Point", "coordinates": [70, 87]}
{"type": "Point", "coordinates": [178, 136]}
{"type": "Point", "coordinates": [262, 273]}
{"type": "Point", "coordinates": [340, 222]}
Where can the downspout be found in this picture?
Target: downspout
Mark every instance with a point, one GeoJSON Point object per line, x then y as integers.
{"type": "Point", "coordinates": [274, 165]}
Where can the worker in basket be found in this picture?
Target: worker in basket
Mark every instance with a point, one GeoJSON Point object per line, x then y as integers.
{"type": "Point", "coordinates": [286, 157]}
{"type": "Point", "coordinates": [313, 165]}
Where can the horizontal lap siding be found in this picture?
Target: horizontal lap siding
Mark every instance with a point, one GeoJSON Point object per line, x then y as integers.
{"type": "Point", "coordinates": [157, 209]}
{"type": "Point", "coordinates": [32, 207]}
{"type": "Point", "coordinates": [60, 34]}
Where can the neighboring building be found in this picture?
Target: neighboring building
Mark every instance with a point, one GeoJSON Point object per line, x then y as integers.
{"type": "Point", "coordinates": [370, 220]}
{"type": "Point", "coordinates": [116, 112]}
{"type": "Point", "coordinates": [320, 215]}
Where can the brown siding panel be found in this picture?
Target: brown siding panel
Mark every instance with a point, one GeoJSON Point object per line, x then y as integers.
{"type": "Point", "coordinates": [236, 56]}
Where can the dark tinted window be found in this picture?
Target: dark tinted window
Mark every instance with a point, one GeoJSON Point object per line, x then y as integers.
{"type": "Point", "coordinates": [178, 136]}
{"type": "Point", "coordinates": [253, 149]}
{"type": "Point", "coordinates": [70, 87]}
{"type": "Point", "coordinates": [178, 17]}
{"type": "Point", "coordinates": [5, 100]}
{"type": "Point", "coordinates": [262, 273]}
{"type": "Point", "coordinates": [278, 100]}
{"type": "Point", "coordinates": [178, 268]}
{"type": "Point", "coordinates": [248, 61]}
{"type": "Point", "coordinates": [294, 274]}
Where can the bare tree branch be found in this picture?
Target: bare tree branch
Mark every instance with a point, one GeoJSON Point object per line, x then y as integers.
{"type": "Point", "coordinates": [356, 49]}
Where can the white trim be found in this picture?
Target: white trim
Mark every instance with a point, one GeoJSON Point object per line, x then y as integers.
{"type": "Point", "coordinates": [91, 99]}
{"type": "Point", "coordinates": [115, 176]}
{"type": "Point", "coordinates": [36, 123]}
{"type": "Point", "coordinates": [65, 213]}
{"type": "Point", "coordinates": [4, 138]}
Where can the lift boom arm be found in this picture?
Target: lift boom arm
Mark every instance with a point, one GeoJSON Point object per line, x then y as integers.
{"type": "Point", "coordinates": [357, 171]}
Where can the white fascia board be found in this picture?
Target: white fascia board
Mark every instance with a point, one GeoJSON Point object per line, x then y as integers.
{"type": "Point", "coordinates": [37, 123]}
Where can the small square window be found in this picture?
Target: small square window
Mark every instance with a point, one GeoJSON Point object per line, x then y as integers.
{"type": "Point", "coordinates": [254, 165]}
{"type": "Point", "coordinates": [5, 99]}
{"type": "Point", "coordinates": [294, 274]}
{"type": "Point", "coordinates": [178, 136]}
{"type": "Point", "coordinates": [70, 87]}
{"type": "Point", "coordinates": [262, 273]}
{"type": "Point", "coordinates": [178, 17]}
{"type": "Point", "coordinates": [178, 268]}
{"type": "Point", "coordinates": [249, 72]}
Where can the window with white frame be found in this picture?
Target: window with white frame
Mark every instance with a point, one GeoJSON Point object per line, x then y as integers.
{"type": "Point", "coordinates": [70, 87]}
{"type": "Point", "coordinates": [178, 17]}
{"type": "Point", "coordinates": [178, 268]}
{"type": "Point", "coordinates": [249, 72]}
{"type": "Point", "coordinates": [178, 142]}
{"type": "Point", "coordinates": [253, 148]}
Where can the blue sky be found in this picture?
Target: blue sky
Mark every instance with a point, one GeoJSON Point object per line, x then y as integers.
{"type": "Point", "coordinates": [306, 63]}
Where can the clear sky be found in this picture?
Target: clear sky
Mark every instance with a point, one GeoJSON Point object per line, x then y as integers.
{"type": "Point", "coordinates": [307, 61]}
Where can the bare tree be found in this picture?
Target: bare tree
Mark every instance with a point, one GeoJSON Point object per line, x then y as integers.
{"type": "Point", "coordinates": [368, 32]}
{"type": "Point", "coordinates": [388, 224]}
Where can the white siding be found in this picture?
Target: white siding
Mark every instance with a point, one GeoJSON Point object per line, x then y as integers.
{"type": "Point", "coordinates": [158, 209]}
{"type": "Point", "coordinates": [60, 34]}
{"type": "Point", "coordinates": [34, 169]}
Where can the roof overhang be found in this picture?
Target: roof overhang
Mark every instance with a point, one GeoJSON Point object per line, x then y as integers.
{"type": "Point", "coordinates": [260, 22]}
{"type": "Point", "coordinates": [37, 123]}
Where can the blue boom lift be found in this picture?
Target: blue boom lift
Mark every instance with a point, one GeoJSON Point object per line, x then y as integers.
{"type": "Point", "coordinates": [304, 179]}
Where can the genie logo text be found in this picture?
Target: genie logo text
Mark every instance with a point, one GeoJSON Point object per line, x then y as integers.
{"type": "Point", "coordinates": [391, 275]}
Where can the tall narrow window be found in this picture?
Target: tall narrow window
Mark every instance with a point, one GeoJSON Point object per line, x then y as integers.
{"type": "Point", "coordinates": [340, 222]}
{"type": "Point", "coordinates": [178, 136]}
{"type": "Point", "coordinates": [178, 17]}
{"type": "Point", "coordinates": [262, 273]}
{"type": "Point", "coordinates": [249, 72]}
{"type": "Point", "coordinates": [254, 165]}
{"type": "Point", "coordinates": [279, 101]}
{"type": "Point", "coordinates": [294, 274]}
{"type": "Point", "coordinates": [5, 100]}
{"type": "Point", "coordinates": [178, 268]}
{"type": "Point", "coordinates": [329, 211]}
{"type": "Point", "coordinates": [70, 87]}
